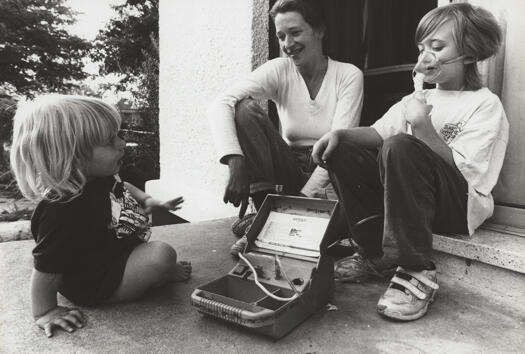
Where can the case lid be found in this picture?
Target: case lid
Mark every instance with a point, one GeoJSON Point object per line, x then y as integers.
{"type": "Point", "coordinates": [292, 225]}
{"type": "Point", "coordinates": [291, 233]}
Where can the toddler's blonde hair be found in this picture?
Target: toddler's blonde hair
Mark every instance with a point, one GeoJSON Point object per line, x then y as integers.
{"type": "Point", "coordinates": [53, 140]}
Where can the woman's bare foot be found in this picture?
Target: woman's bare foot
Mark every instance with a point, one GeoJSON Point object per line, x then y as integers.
{"type": "Point", "coordinates": [182, 271]}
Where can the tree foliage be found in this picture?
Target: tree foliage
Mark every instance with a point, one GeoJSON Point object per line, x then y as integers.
{"type": "Point", "coordinates": [128, 46]}
{"type": "Point", "coordinates": [7, 111]}
{"type": "Point", "coordinates": [129, 39]}
{"type": "Point", "coordinates": [37, 54]}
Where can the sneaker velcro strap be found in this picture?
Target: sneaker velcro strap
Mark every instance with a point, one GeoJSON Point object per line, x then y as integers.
{"type": "Point", "coordinates": [420, 277]}
{"type": "Point", "coordinates": [410, 287]}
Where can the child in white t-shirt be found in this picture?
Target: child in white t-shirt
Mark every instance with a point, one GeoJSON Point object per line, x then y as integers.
{"type": "Point", "coordinates": [428, 165]}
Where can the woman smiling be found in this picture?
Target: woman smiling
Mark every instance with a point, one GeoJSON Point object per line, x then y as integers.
{"type": "Point", "coordinates": [313, 94]}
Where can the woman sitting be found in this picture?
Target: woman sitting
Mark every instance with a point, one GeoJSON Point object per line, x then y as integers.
{"type": "Point", "coordinates": [313, 94]}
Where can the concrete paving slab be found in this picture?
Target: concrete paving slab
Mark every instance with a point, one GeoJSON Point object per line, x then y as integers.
{"type": "Point", "coordinates": [463, 319]}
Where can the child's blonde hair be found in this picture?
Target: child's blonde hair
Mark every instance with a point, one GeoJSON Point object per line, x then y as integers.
{"type": "Point", "coordinates": [475, 31]}
{"type": "Point", "coordinates": [53, 139]}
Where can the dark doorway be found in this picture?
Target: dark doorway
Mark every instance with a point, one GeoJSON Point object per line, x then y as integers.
{"type": "Point", "coordinates": [378, 37]}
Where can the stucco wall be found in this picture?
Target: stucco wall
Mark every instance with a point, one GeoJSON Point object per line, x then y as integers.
{"type": "Point", "coordinates": [205, 45]}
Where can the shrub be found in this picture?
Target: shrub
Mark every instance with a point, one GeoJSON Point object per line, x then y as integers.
{"type": "Point", "coordinates": [141, 162]}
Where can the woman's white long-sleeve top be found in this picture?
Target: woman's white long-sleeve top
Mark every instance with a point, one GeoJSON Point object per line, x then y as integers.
{"type": "Point", "coordinates": [303, 120]}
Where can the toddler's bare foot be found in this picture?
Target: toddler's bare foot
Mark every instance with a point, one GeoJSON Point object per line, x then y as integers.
{"type": "Point", "coordinates": [182, 271]}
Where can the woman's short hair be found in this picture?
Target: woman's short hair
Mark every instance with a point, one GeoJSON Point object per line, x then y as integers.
{"type": "Point", "coordinates": [53, 139]}
{"type": "Point", "coordinates": [309, 9]}
{"type": "Point", "coordinates": [475, 31]}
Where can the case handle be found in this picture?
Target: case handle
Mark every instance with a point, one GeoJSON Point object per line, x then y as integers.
{"type": "Point", "coordinates": [230, 313]}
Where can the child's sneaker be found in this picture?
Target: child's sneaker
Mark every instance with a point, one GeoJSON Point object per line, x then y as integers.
{"type": "Point", "coordinates": [241, 243]}
{"type": "Point", "coordinates": [240, 226]}
{"type": "Point", "coordinates": [356, 268]}
{"type": "Point", "coordinates": [342, 248]}
{"type": "Point", "coordinates": [408, 295]}
{"type": "Point", "coordinates": [239, 246]}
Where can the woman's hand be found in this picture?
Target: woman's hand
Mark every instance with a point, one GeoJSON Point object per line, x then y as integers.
{"type": "Point", "coordinates": [60, 317]}
{"type": "Point", "coordinates": [238, 188]}
{"type": "Point", "coordinates": [152, 204]}
{"type": "Point", "coordinates": [324, 147]}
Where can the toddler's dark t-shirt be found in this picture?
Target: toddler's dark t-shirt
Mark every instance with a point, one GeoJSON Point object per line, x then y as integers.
{"type": "Point", "coordinates": [74, 239]}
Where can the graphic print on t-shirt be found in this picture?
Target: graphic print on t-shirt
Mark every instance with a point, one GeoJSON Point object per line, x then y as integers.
{"type": "Point", "coordinates": [450, 131]}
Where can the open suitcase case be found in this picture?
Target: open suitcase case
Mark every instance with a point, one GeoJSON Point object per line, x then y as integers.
{"type": "Point", "coordinates": [284, 275]}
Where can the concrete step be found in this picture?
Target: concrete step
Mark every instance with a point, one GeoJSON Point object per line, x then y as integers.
{"type": "Point", "coordinates": [15, 230]}
{"type": "Point", "coordinates": [498, 284]}
{"type": "Point", "coordinates": [491, 261]}
{"type": "Point", "coordinates": [507, 219]}
{"type": "Point", "coordinates": [487, 246]}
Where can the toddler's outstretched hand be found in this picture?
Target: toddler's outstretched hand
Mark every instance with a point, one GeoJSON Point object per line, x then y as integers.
{"type": "Point", "coordinates": [153, 204]}
{"type": "Point", "coordinates": [60, 317]}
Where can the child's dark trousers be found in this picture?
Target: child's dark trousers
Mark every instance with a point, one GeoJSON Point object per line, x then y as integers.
{"type": "Point", "coordinates": [415, 189]}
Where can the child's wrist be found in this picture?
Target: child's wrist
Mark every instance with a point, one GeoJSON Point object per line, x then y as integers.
{"type": "Point", "coordinates": [148, 200]}
{"type": "Point", "coordinates": [36, 317]}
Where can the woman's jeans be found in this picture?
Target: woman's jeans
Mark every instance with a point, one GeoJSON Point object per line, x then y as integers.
{"type": "Point", "coordinates": [270, 160]}
{"type": "Point", "coordinates": [417, 191]}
